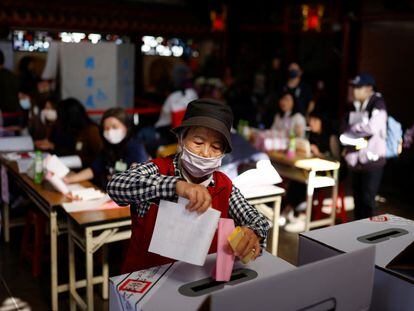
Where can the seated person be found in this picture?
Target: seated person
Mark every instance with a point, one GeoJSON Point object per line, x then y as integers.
{"type": "Point", "coordinates": [324, 143]}
{"type": "Point", "coordinates": [74, 133]}
{"type": "Point", "coordinates": [41, 123]}
{"type": "Point", "coordinates": [287, 119]}
{"type": "Point", "coordinates": [204, 137]}
{"type": "Point", "coordinates": [121, 149]}
{"type": "Point", "coordinates": [323, 139]}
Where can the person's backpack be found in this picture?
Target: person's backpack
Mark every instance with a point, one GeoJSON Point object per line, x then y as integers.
{"type": "Point", "coordinates": [394, 138]}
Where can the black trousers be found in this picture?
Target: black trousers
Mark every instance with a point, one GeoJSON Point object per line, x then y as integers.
{"type": "Point", "coordinates": [365, 185]}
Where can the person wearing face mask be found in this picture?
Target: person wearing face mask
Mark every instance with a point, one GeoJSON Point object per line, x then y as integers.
{"type": "Point", "coordinates": [298, 88]}
{"type": "Point", "coordinates": [121, 149]}
{"type": "Point", "coordinates": [204, 138]}
{"type": "Point", "coordinates": [74, 133]}
{"type": "Point", "coordinates": [43, 119]}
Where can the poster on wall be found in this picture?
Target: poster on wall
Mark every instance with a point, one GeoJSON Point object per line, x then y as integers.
{"type": "Point", "coordinates": [100, 75]}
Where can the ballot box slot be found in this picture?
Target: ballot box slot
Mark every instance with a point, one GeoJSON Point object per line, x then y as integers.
{"type": "Point", "coordinates": [213, 283]}
{"type": "Point", "coordinates": [209, 285]}
{"type": "Point", "coordinates": [381, 236]}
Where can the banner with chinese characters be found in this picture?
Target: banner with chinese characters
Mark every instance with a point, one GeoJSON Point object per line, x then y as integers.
{"type": "Point", "coordinates": [100, 75]}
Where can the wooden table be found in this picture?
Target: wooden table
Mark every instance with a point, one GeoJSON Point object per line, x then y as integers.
{"type": "Point", "coordinates": [271, 194]}
{"type": "Point", "coordinates": [92, 230]}
{"type": "Point", "coordinates": [315, 173]}
{"type": "Point", "coordinates": [49, 202]}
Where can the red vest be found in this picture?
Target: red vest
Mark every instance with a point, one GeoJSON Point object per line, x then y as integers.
{"type": "Point", "coordinates": [138, 257]}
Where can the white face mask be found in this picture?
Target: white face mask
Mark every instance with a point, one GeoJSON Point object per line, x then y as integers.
{"type": "Point", "coordinates": [114, 136]}
{"type": "Point", "coordinates": [199, 166]}
{"type": "Point", "coordinates": [48, 115]}
{"type": "Point", "coordinates": [25, 103]}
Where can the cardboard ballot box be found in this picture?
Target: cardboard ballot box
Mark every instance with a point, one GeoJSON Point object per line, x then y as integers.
{"type": "Point", "coordinates": [181, 286]}
{"type": "Point", "coordinates": [391, 235]}
{"type": "Point", "coordinates": [269, 283]}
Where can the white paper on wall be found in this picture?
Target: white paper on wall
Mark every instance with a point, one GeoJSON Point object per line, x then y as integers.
{"type": "Point", "coordinates": [100, 75]}
{"type": "Point", "coordinates": [52, 61]}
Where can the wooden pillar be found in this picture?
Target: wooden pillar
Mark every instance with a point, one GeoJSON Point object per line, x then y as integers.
{"type": "Point", "coordinates": [344, 74]}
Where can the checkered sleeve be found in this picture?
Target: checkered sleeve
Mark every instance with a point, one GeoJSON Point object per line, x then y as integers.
{"type": "Point", "coordinates": [244, 214]}
{"type": "Point", "coordinates": [141, 184]}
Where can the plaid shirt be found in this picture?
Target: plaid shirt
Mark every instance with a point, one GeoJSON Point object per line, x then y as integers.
{"type": "Point", "coordinates": [142, 185]}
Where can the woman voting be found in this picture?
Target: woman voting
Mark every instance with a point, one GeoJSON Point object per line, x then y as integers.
{"type": "Point", "coordinates": [204, 138]}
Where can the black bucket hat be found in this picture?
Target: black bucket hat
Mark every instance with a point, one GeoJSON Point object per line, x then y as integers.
{"type": "Point", "coordinates": [211, 114]}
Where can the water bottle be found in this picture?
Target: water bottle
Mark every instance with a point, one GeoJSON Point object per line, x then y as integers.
{"type": "Point", "coordinates": [292, 144]}
{"type": "Point", "coordinates": [38, 167]}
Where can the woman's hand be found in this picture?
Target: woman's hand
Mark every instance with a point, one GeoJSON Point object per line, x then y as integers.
{"type": "Point", "coordinates": [315, 150]}
{"type": "Point", "coordinates": [250, 242]}
{"type": "Point", "coordinates": [68, 179]}
{"type": "Point", "coordinates": [198, 195]}
{"type": "Point", "coordinates": [72, 197]}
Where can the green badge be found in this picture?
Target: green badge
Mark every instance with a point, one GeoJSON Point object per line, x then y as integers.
{"type": "Point", "coordinates": [120, 166]}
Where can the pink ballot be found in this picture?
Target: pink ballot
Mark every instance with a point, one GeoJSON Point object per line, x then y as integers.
{"type": "Point", "coordinates": [225, 257]}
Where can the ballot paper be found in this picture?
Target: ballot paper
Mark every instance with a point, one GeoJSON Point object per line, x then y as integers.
{"type": "Point", "coordinates": [88, 194]}
{"type": "Point", "coordinates": [183, 235]}
{"type": "Point", "coordinates": [350, 139]}
{"type": "Point", "coordinates": [72, 161]}
{"type": "Point", "coordinates": [57, 182]}
{"type": "Point", "coordinates": [97, 204]}
{"type": "Point", "coordinates": [54, 165]}
{"type": "Point", "coordinates": [263, 174]}
{"type": "Point", "coordinates": [225, 256]}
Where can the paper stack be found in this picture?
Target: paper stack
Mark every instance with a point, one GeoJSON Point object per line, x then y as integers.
{"type": "Point", "coordinates": [350, 139]}
{"type": "Point", "coordinates": [258, 181]}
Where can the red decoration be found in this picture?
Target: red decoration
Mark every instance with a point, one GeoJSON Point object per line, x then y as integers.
{"type": "Point", "coordinates": [312, 17]}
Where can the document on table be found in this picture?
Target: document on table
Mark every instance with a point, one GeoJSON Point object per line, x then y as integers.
{"type": "Point", "coordinates": [97, 204]}
{"type": "Point", "coordinates": [56, 166]}
{"type": "Point", "coordinates": [264, 174]}
{"type": "Point", "coordinates": [183, 235]}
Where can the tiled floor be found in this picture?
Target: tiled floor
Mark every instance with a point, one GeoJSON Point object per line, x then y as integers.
{"type": "Point", "coordinates": [33, 293]}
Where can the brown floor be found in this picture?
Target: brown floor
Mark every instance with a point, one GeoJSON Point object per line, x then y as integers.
{"type": "Point", "coordinates": [17, 281]}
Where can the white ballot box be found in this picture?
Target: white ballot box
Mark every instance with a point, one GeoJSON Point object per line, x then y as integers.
{"type": "Point", "coordinates": [181, 286]}
{"type": "Point", "coordinates": [393, 289]}
{"type": "Point", "coordinates": [269, 283]}
{"type": "Point", "coordinates": [335, 283]}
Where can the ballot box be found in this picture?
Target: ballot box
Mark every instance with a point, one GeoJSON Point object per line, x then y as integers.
{"type": "Point", "coordinates": [268, 283]}
{"type": "Point", "coordinates": [392, 237]}
{"type": "Point", "coordinates": [182, 286]}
